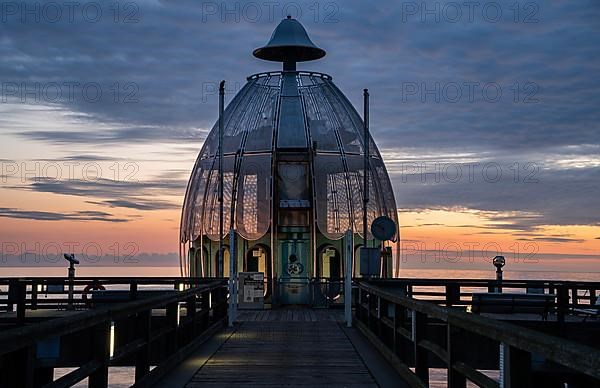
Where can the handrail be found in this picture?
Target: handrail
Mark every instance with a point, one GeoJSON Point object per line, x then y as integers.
{"type": "Point", "coordinates": [375, 315]}
{"type": "Point", "coordinates": [26, 293]}
{"type": "Point", "coordinates": [61, 326]}
{"type": "Point", "coordinates": [201, 317]}
{"type": "Point", "coordinates": [569, 294]}
{"type": "Point", "coordinates": [301, 72]}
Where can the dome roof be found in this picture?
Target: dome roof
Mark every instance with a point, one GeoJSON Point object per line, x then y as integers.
{"type": "Point", "coordinates": [332, 132]}
{"type": "Point", "coordinates": [289, 42]}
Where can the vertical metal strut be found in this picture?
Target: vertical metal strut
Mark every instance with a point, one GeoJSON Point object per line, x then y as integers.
{"type": "Point", "coordinates": [221, 107]}
{"type": "Point", "coordinates": [366, 164]}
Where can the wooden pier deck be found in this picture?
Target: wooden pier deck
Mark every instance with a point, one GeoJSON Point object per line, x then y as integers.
{"type": "Point", "coordinates": [288, 348]}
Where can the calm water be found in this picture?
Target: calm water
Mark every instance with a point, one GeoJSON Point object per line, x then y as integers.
{"type": "Point", "coordinates": [491, 274]}
{"type": "Point", "coordinates": [89, 271]}
{"type": "Point", "coordinates": [404, 272]}
{"type": "Point", "coordinates": [123, 376]}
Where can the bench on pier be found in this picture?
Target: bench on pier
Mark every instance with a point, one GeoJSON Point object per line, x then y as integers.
{"type": "Point", "coordinates": [591, 312]}
{"type": "Point", "coordinates": [511, 303]}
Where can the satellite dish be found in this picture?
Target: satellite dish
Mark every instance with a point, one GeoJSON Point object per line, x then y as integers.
{"type": "Point", "coordinates": [383, 228]}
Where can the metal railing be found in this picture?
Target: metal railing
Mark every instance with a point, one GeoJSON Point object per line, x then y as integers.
{"type": "Point", "coordinates": [399, 326]}
{"type": "Point", "coordinates": [166, 326]}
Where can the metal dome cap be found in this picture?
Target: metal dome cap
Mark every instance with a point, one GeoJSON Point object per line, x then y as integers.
{"type": "Point", "coordinates": [289, 43]}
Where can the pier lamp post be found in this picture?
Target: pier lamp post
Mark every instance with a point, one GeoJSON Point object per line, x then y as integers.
{"type": "Point", "coordinates": [71, 273]}
{"type": "Point", "coordinates": [499, 262]}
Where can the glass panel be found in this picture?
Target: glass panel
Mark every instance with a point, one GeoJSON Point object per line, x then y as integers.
{"type": "Point", "coordinates": [332, 200]}
{"type": "Point", "coordinates": [322, 122]}
{"type": "Point", "coordinates": [253, 204]}
{"type": "Point", "coordinates": [292, 181]}
{"type": "Point", "coordinates": [211, 205]}
{"type": "Point", "coordinates": [350, 124]}
{"type": "Point", "coordinates": [191, 221]}
{"type": "Point", "coordinates": [355, 175]}
{"type": "Point", "coordinates": [260, 120]}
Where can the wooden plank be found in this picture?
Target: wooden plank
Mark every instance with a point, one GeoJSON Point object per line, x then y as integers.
{"type": "Point", "coordinates": [290, 349]}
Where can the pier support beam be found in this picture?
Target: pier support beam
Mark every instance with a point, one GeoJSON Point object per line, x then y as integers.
{"type": "Point", "coordinates": [516, 367]}
{"type": "Point", "coordinates": [101, 349]}
{"type": "Point", "coordinates": [455, 378]}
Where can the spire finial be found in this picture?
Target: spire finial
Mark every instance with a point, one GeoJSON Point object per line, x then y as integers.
{"type": "Point", "coordinates": [289, 43]}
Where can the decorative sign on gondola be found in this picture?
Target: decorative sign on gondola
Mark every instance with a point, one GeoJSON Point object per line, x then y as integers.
{"type": "Point", "coordinates": [251, 290]}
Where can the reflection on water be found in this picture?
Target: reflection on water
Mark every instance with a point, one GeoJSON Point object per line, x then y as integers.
{"type": "Point", "coordinates": [404, 272]}
{"type": "Point", "coordinates": [118, 376]}
{"type": "Point", "coordinates": [89, 271]}
{"type": "Point", "coordinates": [491, 274]}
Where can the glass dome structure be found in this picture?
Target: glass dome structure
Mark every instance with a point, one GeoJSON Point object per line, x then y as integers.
{"type": "Point", "coordinates": [293, 170]}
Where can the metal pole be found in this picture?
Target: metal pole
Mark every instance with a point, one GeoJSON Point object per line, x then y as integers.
{"type": "Point", "coordinates": [232, 280]}
{"type": "Point", "coordinates": [366, 164]}
{"type": "Point", "coordinates": [221, 105]}
{"type": "Point", "coordinates": [499, 278]}
{"type": "Point", "coordinates": [348, 281]}
{"type": "Point", "coordinates": [71, 273]}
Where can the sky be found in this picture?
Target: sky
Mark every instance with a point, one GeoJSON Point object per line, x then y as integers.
{"type": "Point", "coordinates": [486, 114]}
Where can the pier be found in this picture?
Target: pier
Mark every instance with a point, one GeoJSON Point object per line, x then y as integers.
{"type": "Point", "coordinates": [403, 329]}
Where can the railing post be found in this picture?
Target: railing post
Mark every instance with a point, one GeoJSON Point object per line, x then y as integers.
{"type": "Point", "coordinates": [455, 378]}
{"type": "Point", "coordinates": [562, 303]}
{"type": "Point", "coordinates": [142, 359]}
{"type": "Point", "coordinates": [101, 353]}
{"type": "Point", "coordinates": [133, 291]}
{"type": "Point", "coordinates": [205, 308]}
{"type": "Point", "coordinates": [379, 323]}
{"type": "Point", "coordinates": [34, 295]}
{"type": "Point", "coordinates": [452, 294]}
{"type": "Point", "coordinates": [190, 307]}
{"type": "Point", "coordinates": [516, 367]}
{"type": "Point", "coordinates": [17, 368]}
{"type": "Point", "coordinates": [20, 294]}
{"type": "Point", "coordinates": [419, 332]}
{"type": "Point", "coordinates": [370, 310]}
{"type": "Point", "coordinates": [43, 376]}
{"type": "Point", "coordinates": [397, 319]}
{"type": "Point", "coordinates": [172, 318]}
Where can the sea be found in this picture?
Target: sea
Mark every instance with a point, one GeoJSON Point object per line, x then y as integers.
{"type": "Point", "coordinates": [121, 377]}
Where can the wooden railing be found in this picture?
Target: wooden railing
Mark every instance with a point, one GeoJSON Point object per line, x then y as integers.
{"type": "Point", "coordinates": [399, 326]}
{"type": "Point", "coordinates": [570, 295]}
{"type": "Point", "coordinates": [169, 325]}
{"type": "Point", "coordinates": [54, 293]}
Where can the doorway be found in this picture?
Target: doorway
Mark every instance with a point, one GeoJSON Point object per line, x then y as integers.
{"type": "Point", "coordinates": [258, 260]}
{"type": "Point", "coordinates": [295, 272]}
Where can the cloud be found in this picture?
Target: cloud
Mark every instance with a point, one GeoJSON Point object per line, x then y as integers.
{"type": "Point", "coordinates": [116, 136]}
{"type": "Point", "coordinates": [158, 78]}
{"type": "Point", "coordinates": [53, 216]}
{"type": "Point", "coordinates": [556, 197]}
{"type": "Point", "coordinates": [109, 188]}
{"type": "Point", "coordinates": [138, 195]}
{"type": "Point", "coordinates": [138, 204]}
{"type": "Point", "coordinates": [169, 62]}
